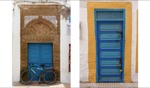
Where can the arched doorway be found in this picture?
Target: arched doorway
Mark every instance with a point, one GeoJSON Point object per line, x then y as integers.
{"type": "Point", "coordinates": [39, 39]}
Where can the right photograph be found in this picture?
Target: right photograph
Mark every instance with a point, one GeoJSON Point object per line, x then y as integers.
{"type": "Point", "coordinates": [109, 44]}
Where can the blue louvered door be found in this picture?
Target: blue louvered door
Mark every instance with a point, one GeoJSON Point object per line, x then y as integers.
{"type": "Point", "coordinates": [109, 29]}
{"type": "Point", "coordinates": [40, 53]}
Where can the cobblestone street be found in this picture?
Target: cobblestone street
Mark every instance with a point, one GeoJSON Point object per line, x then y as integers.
{"type": "Point", "coordinates": [109, 85]}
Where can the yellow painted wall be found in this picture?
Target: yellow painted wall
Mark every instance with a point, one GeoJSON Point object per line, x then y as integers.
{"type": "Point", "coordinates": [91, 36]}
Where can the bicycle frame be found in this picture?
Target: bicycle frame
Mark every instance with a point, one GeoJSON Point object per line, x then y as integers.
{"type": "Point", "coordinates": [30, 68]}
{"type": "Point", "coordinates": [47, 74]}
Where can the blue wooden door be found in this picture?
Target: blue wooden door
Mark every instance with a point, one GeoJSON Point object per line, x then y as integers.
{"type": "Point", "coordinates": [40, 53]}
{"type": "Point", "coordinates": [109, 29]}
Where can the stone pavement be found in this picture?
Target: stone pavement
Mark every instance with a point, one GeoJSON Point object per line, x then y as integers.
{"type": "Point", "coordinates": [108, 85]}
{"type": "Point", "coordinates": [82, 85]}
{"type": "Point", "coordinates": [41, 85]}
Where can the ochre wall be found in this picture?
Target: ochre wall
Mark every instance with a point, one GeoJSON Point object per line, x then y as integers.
{"type": "Point", "coordinates": [91, 36]}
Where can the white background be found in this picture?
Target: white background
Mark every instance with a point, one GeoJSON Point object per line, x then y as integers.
{"type": "Point", "coordinates": [6, 43]}
{"type": "Point", "coordinates": [75, 43]}
{"type": "Point", "coordinates": [144, 43]}
{"type": "Point", "coordinates": [6, 8]}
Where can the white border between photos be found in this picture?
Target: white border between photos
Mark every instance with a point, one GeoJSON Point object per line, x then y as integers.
{"type": "Point", "coordinates": [75, 43]}
{"type": "Point", "coordinates": [144, 44]}
{"type": "Point", "coordinates": [6, 8]}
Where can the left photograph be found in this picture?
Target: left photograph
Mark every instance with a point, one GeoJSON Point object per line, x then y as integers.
{"type": "Point", "coordinates": [41, 43]}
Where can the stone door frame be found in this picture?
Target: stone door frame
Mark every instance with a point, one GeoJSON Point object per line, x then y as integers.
{"type": "Point", "coordinates": [31, 33]}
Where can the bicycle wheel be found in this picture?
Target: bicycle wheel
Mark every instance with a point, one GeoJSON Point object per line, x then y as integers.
{"type": "Point", "coordinates": [49, 77]}
{"type": "Point", "coordinates": [26, 77]}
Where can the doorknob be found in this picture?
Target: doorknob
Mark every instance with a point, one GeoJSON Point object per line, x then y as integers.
{"type": "Point", "coordinates": [120, 64]}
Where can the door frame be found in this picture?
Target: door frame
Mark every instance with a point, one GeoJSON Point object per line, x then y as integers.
{"type": "Point", "coordinates": [123, 40]}
{"type": "Point", "coordinates": [29, 33]}
{"type": "Point", "coordinates": [92, 41]}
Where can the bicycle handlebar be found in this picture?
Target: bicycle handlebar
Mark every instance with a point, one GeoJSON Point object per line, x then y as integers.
{"type": "Point", "coordinates": [30, 64]}
{"type": "Point", "coordinates": [42, 65]}
{"type": "Point", "coordinates": [33, 65]}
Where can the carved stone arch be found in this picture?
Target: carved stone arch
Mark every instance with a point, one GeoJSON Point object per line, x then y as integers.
{"type": "Point", "coordinates": [40, 31]}
{"type": "Point", "coordinates": [47, 22]}
{"type": "Point", "coordinates": [39, 26]}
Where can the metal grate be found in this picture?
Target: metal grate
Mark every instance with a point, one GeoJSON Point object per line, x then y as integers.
{"type": "Point", "coordinates": [51, 19]}
{"type": "Point", "coordinates": [109, 15]}
{"type": "Point", "coordinates": [27, 19]}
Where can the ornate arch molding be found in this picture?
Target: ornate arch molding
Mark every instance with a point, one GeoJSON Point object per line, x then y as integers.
{"type": "Point", "coordinates": [41, 28]}
{"type": "Point", "coordinates": [44, 21]}
{"type": "Point", "coordinates": [41, 23]}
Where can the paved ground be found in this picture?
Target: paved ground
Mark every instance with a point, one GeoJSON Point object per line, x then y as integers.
{"type": "Point", "coordinates": [41, 85]}
{"type": "Point", "coordinates": [109, 85]}
{"type": "Point", "coordinates": [82, 85]}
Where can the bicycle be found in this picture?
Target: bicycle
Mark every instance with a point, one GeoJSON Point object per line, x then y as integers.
{"type": "Point", "coordinates": [47, 74]}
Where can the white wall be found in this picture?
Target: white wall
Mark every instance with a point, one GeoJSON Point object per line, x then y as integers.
{"type": "Point", "coordinates": [84, 41]}
{"type": "Point", "coordinates": [16, 45]}
{"type": "Point", "coordinates": [62, 2]}
{"type": "Point", "coordinates": [64, 52]}
{"type": "Point", "coordinates": [134, 75]}
{"type": "Point", "coordinates": [64, 48]}
{"type": "Point", "coordinates": [83, 45]}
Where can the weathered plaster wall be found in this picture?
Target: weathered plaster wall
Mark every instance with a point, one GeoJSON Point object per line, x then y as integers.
{"type": "Point", "coordinates": [84, 41]}
{"type": "Point", "coordinates": [134, 75]}
{"type": "Point", "coordinates": [64, 52]}
{"type": "Point", "coordinates": [83, 45]}
{"type": "Point", "coordinates": [62, 2]}
{"type": "Point", "coordinates": [16, 45]}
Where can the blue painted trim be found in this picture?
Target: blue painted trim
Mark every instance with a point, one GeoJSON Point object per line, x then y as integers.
{"type": "Point", "coordinates": [109, 19]}
{"type": "Point", "coordinates": [97, 63]}
{"type": "Point", "coordinates": [110, 81]}
{"type": "Point", "coordinates": [108, 67]}
{"type": "Point", "coordinates": [97, 44]}
{"type": "Point", "coordinates": [114, 75]}
{"type": "Point", "coordinates": [99, 9]}
{"type": "Point", "coordinates": [123, 44]}
{"type": "Point", "coordinates": [112, 32]}
{"type": "Point", "coordinates": [109, 49]}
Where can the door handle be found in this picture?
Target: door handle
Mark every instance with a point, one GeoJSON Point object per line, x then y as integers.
{"type": "Point", "coordinates": [120, 70]}
{"type": "Point", "coordinates": [120, 62]}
